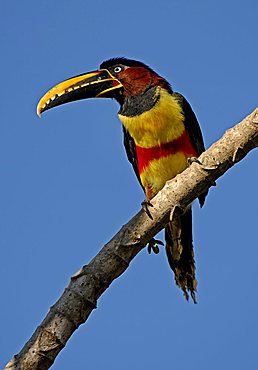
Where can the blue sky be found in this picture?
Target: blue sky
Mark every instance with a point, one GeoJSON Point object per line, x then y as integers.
{"type": "Point", "coordinates": [66, 185]}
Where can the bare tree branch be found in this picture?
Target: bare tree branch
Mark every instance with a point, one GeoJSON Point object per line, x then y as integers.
{"type": "Point", "coordinates": [86, 286]}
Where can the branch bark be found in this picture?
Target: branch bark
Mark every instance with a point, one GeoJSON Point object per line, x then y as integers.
{"type": "Point", "coordinates": [86, 286]}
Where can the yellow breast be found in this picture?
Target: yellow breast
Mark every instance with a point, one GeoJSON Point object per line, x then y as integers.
{"type": "Point", "coordinates": [159, 171]}
{"type": "Point", "coordinates": [161, 124]}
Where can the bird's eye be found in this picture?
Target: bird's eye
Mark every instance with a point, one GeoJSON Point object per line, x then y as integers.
{"type": "Point", "coordinates": [117, 69]}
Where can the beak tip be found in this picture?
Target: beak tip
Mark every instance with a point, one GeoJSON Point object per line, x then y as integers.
{"type": "Point", "coordinates": [39, 111]}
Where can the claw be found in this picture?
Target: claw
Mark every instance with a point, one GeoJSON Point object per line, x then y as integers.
{"type": "Point", "coordinates": [153, 245]}
{"type": "Point", "coordinates": [145, 204]}
{"type": "Point", "coordinates": [191, 160]}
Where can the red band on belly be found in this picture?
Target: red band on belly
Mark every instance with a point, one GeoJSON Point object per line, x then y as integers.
{"type": "Point", "coordinates": [182, 144]}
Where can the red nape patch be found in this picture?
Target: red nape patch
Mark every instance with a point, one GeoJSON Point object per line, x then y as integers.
{"type": "Point", "coordinates": [182, 144]}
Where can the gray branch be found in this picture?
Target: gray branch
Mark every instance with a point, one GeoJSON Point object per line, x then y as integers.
{"type": "Point", "coordinates": [86, 286]}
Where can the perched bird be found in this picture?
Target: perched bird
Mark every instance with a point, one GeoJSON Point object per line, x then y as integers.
{"type": "Point", "coordinates": [160, 133]}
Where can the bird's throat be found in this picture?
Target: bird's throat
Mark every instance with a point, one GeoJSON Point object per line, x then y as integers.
{"type": "Point", "coordinates": [135, 105]}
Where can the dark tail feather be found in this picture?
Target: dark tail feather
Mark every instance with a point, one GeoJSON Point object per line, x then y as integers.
{"type": "Point", "coordinates": [180, 253]}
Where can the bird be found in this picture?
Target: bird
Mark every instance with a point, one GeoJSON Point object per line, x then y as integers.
{"type": "Point", "coordinates": [161, 133]}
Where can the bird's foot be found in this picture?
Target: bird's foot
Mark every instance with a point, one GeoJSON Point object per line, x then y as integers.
{"type": "Point", "coordinates": [191, 160]}
{"type": "Point", "coordinates": [145, 204]}
{"type": "Point", "coordinates": [153, 245]}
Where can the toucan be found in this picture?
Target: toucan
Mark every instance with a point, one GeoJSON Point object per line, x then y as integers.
{"type": "Point", "coordinates": [161, 133]}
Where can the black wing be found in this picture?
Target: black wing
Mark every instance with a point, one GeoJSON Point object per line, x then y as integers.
{"type": "Point", "coordinates": [194, 131]}
{"type": "Point", "coordinates": [131, 152]}
{"type": "Point", "coordinates": [191, 124]}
